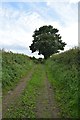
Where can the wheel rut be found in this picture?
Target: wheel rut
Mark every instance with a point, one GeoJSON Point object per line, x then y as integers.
{"type": "Point", "coordinates": [46, 105]}
{"type": "Point", "coordinates": [11, 97]}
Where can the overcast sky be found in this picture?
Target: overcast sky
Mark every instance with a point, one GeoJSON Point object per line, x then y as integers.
{"type": "Point", "coordinates": [18, 20]}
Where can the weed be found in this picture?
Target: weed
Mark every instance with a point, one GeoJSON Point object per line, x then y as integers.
{"type": "Point", "coordinates": [14, 67]}
{"type": "Point", "coordinates": [62, 70]}
{"type": "Point", "coordinates": [26, 104]}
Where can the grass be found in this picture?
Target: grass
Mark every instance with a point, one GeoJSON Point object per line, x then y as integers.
{"type": "Point", "coordinates": [0, 68]}
{"type": "Point", "coordinates": [27, 101]}
{"type": "Point", "coordinates": [15, 66]}
{"type": "Point", "coordinates": [0, 82]}
{"type": "Point", "coordinates": [63, 70]}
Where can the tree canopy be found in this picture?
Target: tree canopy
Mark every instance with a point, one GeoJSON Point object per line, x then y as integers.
{"type": "Point", "coordinates": [47, 41]}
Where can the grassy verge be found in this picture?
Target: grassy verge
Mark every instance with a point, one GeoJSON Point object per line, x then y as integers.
{"type": "Point", "coordinates": [0, 70]}
{"type": "Point", "coordinates": [14, 67]}
{"type": "Point", "coordinates": [62, 70]}
{"type": "Point", "coordinates": [0, 83]}
{"type": "Point", "coordinates": [25, 105]}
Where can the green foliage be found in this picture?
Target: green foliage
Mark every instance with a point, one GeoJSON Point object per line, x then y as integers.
{"type": "Point", "coordinates": [63, 70]}
{"type": "Point", "coordinates": [26, 104]}
{"type": "Point", "coordinates": [37, 61]}
{"type": "Point", "coordinates": [0, 67]}
{"type": "Point", "coordinates": [0, 82]}
{"type": "Point", "coordinates": [15, 66]}
{"type": "Point", "coordinates": [47, 41]}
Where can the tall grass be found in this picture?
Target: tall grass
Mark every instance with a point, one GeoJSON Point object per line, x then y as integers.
{"type": "Point", "coordinates": [63, 72]}
{"type": "Point", "coordinates": [26, 103]}
{"type": "Point", "coordinates": [14, 67]}
{"type": "Point", "coordinates": [0, 68]}
{"type": "Point", "coordinates": [0, 84]}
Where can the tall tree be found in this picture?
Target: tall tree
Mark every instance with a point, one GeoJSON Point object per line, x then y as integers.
{"type": "Point", "coordinates": [47, 41]}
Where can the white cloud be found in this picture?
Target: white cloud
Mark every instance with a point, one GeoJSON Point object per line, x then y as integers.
{"type": "Point", "coordinates": [17, 26]}
{"type": "Point", "coordinates": [67, 12]}
{"type": "Point", "coordinates": [31, 0]}
{"type": "Point", "coordinates": [20, 30]}
{"type": "Point", "coordinates": [66, 1]}
{"type": "Point", "coordinates": [70, 35]}
{"type": "Point", "coordinates": [74, 1]}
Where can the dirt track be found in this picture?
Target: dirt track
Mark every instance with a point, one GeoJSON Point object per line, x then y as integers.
{"type": "Point", "coordinates": [46, 105]}
{"type": "Point", "coordinates": [10, 98]}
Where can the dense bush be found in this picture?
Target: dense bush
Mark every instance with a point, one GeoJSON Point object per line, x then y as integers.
{"type": "Point", "coordinates": [63, 71]}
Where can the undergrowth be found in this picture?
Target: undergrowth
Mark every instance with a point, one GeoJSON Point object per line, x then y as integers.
{"type": "Point", "coordinates": [0, 83]}
{"type": "Point", "coordinates": [14, 67]}
{"type": "Point", "coordinates": [26, 103]}
{"type": "Point", "coordinates": [63, 73]}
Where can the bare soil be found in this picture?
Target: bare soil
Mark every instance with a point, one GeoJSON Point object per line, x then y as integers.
{"type": "Point", "coordinates": [46, 104]}
{"type": "Point", "coordinates": [11, 97]}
